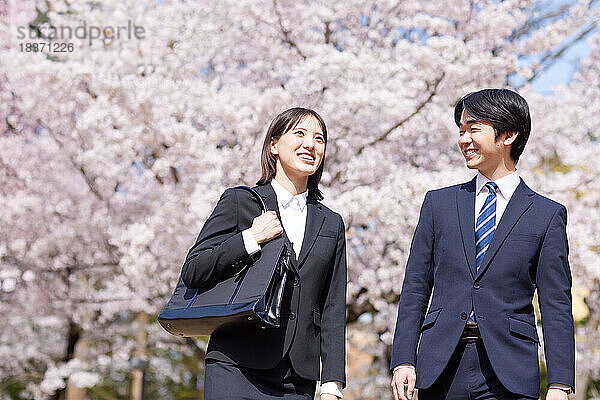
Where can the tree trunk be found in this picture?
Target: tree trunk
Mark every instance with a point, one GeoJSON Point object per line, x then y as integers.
{"type": "Point", "coordinates": [141, 338]}
{"type": "Point", "coordinates": [73, 336]}
{"type": "Point", "coordinates": [74, 392]}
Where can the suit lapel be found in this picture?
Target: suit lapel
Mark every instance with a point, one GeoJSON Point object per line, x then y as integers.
{"type": "Point", "coordinates": [520, 201]}
{"type": "Point", "coordinates": [314, 221]}
{"type": "Point", "coordinates": [465, 201]}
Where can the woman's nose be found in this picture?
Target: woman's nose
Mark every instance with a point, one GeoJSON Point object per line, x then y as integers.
{"type": "Point", "coordinates": [308, 142]}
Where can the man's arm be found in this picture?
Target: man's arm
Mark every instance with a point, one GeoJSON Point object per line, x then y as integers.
{"type": "Point", "coordinates": [416, 290]}
{"type": "Point", "coordinates": [553, 280]}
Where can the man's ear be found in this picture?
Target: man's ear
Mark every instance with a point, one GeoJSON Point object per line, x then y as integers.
{"type": "Point", "coordinates": [510, 138]}
{"type": "Point", "coordinates": [273, 147]}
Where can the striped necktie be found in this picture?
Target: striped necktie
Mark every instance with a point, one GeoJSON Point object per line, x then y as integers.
{"type": "Point", "coordinates": [485, 227]}
{"type": "Point", "coordinates": [486, 224]}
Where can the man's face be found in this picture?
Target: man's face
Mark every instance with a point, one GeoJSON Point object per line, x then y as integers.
{"type": "Point", "coordinates": [479, 146]}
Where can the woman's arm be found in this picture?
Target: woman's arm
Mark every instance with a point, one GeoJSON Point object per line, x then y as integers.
{"type": "Point", "coordinates": [219, 250]}
{"type": "Point", "coordinates": [333, 319]}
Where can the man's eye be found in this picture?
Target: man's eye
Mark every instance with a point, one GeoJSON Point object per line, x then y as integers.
{"type": "Point", "coordinates": [299, 133]}
{"type": "Point", "coordinates": [320, 139]}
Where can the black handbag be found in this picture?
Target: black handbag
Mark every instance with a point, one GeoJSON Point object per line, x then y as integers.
{"type": "Point", "coordinates": [252, 295]}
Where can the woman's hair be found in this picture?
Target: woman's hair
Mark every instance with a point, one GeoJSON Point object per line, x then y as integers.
{"type": "Point", "coordinates": [282, 123]}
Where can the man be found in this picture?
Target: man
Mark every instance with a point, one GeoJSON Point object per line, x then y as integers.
{"type": "Point", "coordinates": [482, 248]}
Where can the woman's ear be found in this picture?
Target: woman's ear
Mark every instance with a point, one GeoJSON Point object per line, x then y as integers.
{"type": "Point", "coordinates": [273, 147]}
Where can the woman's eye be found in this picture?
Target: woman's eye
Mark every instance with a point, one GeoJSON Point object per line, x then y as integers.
{"type": "Point", "coordinates": [300, 133]}
{"type": "Point", "coordinates": [320, 139]}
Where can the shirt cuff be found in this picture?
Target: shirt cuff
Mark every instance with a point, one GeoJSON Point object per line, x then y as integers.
{"type": "Point", "coordinates": [402, 366]}
{"type": "Point", "coordinates": [333, 387]}
{"type": "Point", "coordinates": [249, 242]}
{"type": "Point", "coordinates": [560, 386]}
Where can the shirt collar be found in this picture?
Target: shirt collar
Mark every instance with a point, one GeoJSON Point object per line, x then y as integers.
{"type": "Point", "coordinates": [506, 185]}
{"type": "Point", "coordinates": [284, 197]}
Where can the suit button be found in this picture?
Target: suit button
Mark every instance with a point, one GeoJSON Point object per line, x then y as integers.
{"type": "Point", "coordinates": [296, 281]}
{"type": "Point", "coordinates": [292, 316]}
{"type": "Point", "coordinates": [476, 285]}
{"type": "Point", "coordinates": [463, 315]}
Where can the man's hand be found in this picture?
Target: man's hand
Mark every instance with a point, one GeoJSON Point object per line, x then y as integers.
{"type": "Point", "coordinates": [404, 374]}
{"type": "Point", "coordinates": [556, 394]}
{"type": "Point", "coordinates": [327, 396]}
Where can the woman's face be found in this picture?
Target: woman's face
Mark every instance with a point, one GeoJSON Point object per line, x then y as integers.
{"type": "Point", "coordinates": [300, 150]}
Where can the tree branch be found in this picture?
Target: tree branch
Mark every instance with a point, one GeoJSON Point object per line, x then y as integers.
{"type": "Point", "coordinates": [398, 124]}
{"type": "Point", "coordinates": [88, 180]}
{"type": "Point", "coordinates": [286, 33]}
{"type": "Point", "coordinates": [549, 59]}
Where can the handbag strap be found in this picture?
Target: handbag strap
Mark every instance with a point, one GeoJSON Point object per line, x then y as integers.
{"type": "Point", "coordinates": [288, 265]}
{"type": "Point", "coordinates": [254, 193]}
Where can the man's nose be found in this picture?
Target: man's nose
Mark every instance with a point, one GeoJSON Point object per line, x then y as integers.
{"type": "Point", "coordinates": [464, 138]}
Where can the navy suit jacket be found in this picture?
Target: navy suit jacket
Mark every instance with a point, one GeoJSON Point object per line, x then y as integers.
{"type": "Point", "coordinates": [529, 250]}
{"type": "Point", "coordinates": [313, 312]}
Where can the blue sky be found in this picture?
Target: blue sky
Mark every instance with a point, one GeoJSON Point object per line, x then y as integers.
{"type": "Point", "coordinates": [562, 71]}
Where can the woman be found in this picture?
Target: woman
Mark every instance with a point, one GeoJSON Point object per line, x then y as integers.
{"type": "Point", "coordinates": [279, 363]}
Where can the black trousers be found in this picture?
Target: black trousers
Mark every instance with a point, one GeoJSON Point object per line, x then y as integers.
{"type": "Point", "coordinates": [225, 381]}
{"type": "Point", "coordinates": [468, 376]}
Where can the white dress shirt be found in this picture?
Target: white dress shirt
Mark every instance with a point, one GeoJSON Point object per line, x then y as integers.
{"type": "Point", "coordinates": [293, 212]}
{"type": "Point", "coordinates": [506, 187]}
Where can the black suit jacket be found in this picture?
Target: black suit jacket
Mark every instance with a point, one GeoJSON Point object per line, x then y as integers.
{"type": "Point", "coordinates": [314, 307]}
{"type": "Point", "coordinates": [529, 250]}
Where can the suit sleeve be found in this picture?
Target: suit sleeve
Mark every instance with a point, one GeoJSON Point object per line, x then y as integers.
{"type": "Point", "coordinates": [553, 279]}
{"type": "Point", "coordinates": [219, 250]}
{"type": "Point", "coordinates": [333, 319]}
{"type": "Point", "coordinates": [416, 289]}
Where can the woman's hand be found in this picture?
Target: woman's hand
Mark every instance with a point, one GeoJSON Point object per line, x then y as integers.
{"type": "Point", "coordinates": [266, 227]}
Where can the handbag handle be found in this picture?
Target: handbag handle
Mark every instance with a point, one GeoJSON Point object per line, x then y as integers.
{"type": "Point", "coordinates": [254, 193]}
{"type": "Point", "coordinates": [260, 200]}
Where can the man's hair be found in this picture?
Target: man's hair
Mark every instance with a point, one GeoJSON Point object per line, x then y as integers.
{"type": "Point", "coordinates": [506, 110]}
{"type": "Point", "coordinates": [283, 123]}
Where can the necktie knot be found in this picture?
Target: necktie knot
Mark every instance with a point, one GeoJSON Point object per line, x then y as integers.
{"type": "Point", "coordinates": [492, 187]}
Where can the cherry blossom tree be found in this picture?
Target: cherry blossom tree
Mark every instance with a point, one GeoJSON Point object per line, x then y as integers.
{"type": "Point", "coordinates": [114, 153]}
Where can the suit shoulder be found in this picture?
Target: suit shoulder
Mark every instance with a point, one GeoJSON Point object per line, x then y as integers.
{"type": "Point", "coordinates": [447, 190]}
{"type": "Point", "coordinates": [550, 208]}
{"type": "Point", "coordinates": [328, 210]}
{"type": "Point", "coordinates": [330, 213]}
{"type": "Point", "coordinates": [241, 199]}
{"type": "Point", "coordinates": [548, 202]}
